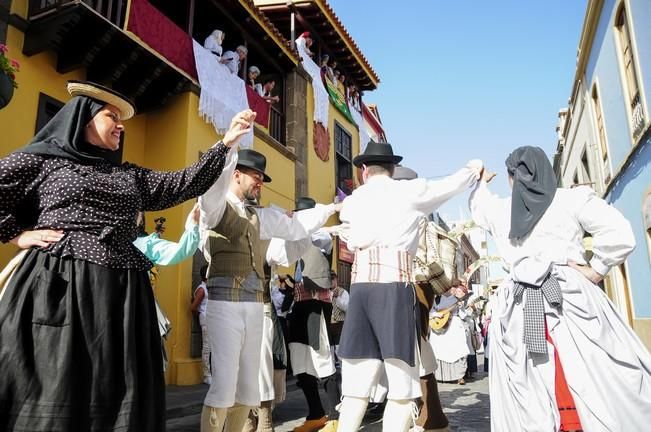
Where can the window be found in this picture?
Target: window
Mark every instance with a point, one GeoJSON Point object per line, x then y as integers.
{"type": "Point", "coordinates": [586, 178]}
{"type": "Point", "coordinates": [47, 108]}
{"type": "Point", "coordinates": [601, 134]}
{"type": "Point", "coordinates": [344, 274]}
{"type": "Point", "coordinates": [344, 155]}
{"type": "Point", "coordinates": [627, 59]}
{"type": "Point", "coordinates": [646, 220]}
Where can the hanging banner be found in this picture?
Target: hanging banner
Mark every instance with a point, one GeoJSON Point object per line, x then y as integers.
{"type": "Point", "coordinates": [338, 100]}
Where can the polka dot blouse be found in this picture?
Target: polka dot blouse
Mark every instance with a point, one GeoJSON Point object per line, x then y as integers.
{"type": "Point", "coordinates": [95, 205]}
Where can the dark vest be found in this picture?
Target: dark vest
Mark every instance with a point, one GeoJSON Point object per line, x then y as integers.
{"type": "Point", "coordinates": [234, 245]}
{"type": "Point", "coordinates": [316, 267]}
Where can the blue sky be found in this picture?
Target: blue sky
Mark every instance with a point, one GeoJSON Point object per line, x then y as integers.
{"type": "Point", "coordinates": [467, 79]}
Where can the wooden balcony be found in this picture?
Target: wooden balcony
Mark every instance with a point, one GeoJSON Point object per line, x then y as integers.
{"type": "Point", "coordinates": [90, 34]}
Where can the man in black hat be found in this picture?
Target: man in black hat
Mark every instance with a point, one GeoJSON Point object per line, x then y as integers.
{"type": "Point", "coordinates": [232, 241]}
{"type": "Point", "coordinates": [380, 329]}
{"type": "Point", "coordinates": [309, 320]}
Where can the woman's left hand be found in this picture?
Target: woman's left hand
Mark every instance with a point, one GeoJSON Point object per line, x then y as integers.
{"type": "Point", "coordinates": [586, 271]}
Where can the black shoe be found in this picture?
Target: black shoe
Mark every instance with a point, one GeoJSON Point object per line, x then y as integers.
{"type": "Point", "coordinates": [374, 412]}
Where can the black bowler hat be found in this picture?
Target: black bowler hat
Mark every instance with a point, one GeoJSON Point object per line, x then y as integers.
{"type": "Point", "coordinates": [254, 160]}
{"type": "Point", "coordinates": [377, 152]}
{"type": "Point", "coordinates": [304, 203]}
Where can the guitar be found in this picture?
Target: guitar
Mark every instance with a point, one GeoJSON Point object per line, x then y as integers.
{"type": "Point", "coordinates": [439, 324]}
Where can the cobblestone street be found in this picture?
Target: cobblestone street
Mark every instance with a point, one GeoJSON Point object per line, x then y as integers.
{"type": "Point", "coordinates": [467, 408]}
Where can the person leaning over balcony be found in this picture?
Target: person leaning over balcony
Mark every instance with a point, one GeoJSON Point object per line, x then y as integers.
{"type": "Point", "coordinates": [264, 90]}
{"type": "Point", "coordinates": [562, 357]}
{"type": "Point", "coordinates": [213, 43]}
{"type": "Point", "coordinates": [232, 233]}
{"type": "Point", "coordinates": [332, 67]}
{"type": "Point", "coordinates": [253, 74]}
{"type": "Point", "coordinates": [323, 65]}
{"type": "Point", "coordinates": [304, 42]}
{"type": "Point", "coordinates": [79, 342]}
{"type": "Point", "coordinates": [233, 59]}
{"type": "Point", "coordinates": [380, 329]}
{"type": "Point", "coordinates": [341, 84]}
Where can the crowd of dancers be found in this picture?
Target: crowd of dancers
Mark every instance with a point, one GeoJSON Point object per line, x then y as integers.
{"type": "Point", "coordinates": [79, 344]}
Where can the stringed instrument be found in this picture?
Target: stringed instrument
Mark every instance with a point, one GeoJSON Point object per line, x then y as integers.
{"type": "Point", "coordinates": [439, 324]}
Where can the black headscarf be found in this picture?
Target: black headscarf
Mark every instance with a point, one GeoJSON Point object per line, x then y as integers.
{"type": "Point", "coordinates": [534, 187]}
{"type": "Point", "coordinates": [63, 136]}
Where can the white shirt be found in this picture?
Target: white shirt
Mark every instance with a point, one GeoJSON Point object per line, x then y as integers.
{"type": "Point", "coordinates": [204, 301]}
{"type": "Point", "coordinates": [558, 237]}
{"type": "Point", "coordinates": [385, 212]}
{"type": "Point", "coordinates": [286, 253]}
{"type": "Point", "coordinates": [234, 63]}
{"type": "Point", "coordinates": [273, 222]}
{"type": "Point", "coordinates": [212, 44]}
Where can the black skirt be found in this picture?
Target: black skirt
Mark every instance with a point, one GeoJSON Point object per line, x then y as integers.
{"type": "Point", "coordinates": [305, 322]}
{"type": "Point", "coordinates": [79, 349]}
{"type": "Point", "coordinates": [380, 322]}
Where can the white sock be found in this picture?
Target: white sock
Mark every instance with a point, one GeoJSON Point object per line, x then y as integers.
{"type": "Point", "coordinates": [212, 419]}
{"type": "Point", "coordinates": [398, 415]}
{"type": "Point", "coordinates": [351, 413]}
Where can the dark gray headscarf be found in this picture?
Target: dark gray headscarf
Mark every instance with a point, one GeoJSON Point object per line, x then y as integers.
{"type": "Point", "coordinates": [63, 135]}
{"type": "Point", "coordinates": [534, 187]}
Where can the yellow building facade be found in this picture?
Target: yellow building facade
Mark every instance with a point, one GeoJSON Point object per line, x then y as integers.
{"type": "Point", "coordinates": [169, 137]}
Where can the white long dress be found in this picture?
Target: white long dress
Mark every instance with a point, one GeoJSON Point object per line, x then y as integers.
{"type": "Point", "coordinates": [450, 347]}
{"type": "Point", "coordinates": [607, 369]}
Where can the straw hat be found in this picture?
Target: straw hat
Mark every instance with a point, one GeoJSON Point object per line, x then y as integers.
{"type": "Point", "coordinates": [103, 94]}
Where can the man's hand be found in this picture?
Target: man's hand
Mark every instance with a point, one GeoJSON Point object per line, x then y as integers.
{"type": "Point", "coordinates": [587, 271]}
{"type": "Point", "coordinates": [338, 206]}
{"type": "Point", "coordinates": [196, 212]}
{"type": "Point", "coordinates": [39, 238]}
{"type": "Point", "coordinates": [487, 176]}
{"type": "Point", "coordinates": [240, 125]}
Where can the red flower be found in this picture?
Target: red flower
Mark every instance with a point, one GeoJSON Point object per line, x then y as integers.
{"type": "Point", "coordinates": [15, 64]}
{"type": "Point", "coordinates": [3, 49]}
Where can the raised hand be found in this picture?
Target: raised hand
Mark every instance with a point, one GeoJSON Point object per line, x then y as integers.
{"type": "Point", "coordinates": [240, 125]}
{"type": "Point", "coordinates": [487, 176]}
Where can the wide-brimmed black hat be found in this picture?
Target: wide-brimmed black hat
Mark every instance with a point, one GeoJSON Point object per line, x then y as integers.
{"type": "Point", "coordinates": [377, 152]}
{"type": "Point", "coordinates": [304, 203]}
{"type": "Point", "coordinates": [254, 160]}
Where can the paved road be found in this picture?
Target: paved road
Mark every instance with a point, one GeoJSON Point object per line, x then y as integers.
{"type": "Point", "coordinates": [467, 408]}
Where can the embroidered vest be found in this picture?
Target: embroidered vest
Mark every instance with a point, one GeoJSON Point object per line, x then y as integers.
{"type": "Point", "coordinates": [234, 245]}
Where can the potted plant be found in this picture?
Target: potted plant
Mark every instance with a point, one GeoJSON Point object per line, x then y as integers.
{"type": "Point", "coordinates": [8, 69]}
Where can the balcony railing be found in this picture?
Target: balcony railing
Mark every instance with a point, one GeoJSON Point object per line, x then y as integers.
{"type": "Point", "coordinates": [277, 125]}
{"type": "Point", "coordinates": [112, 10]}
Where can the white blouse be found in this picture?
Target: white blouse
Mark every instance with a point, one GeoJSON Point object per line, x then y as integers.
{"type": "Point", "coordinates": [558, 237]}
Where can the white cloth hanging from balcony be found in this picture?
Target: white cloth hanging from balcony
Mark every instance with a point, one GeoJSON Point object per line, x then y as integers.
{"type": "Point", "coordinates": [321, 97]}
{"type": "Point", "coordinates": [364, 137]}
{"type": "Point", "coordinates": [222, 94]}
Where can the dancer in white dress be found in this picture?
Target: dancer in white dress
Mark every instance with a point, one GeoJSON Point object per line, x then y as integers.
{"type": "Point", "coordinates": [551, 289]}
